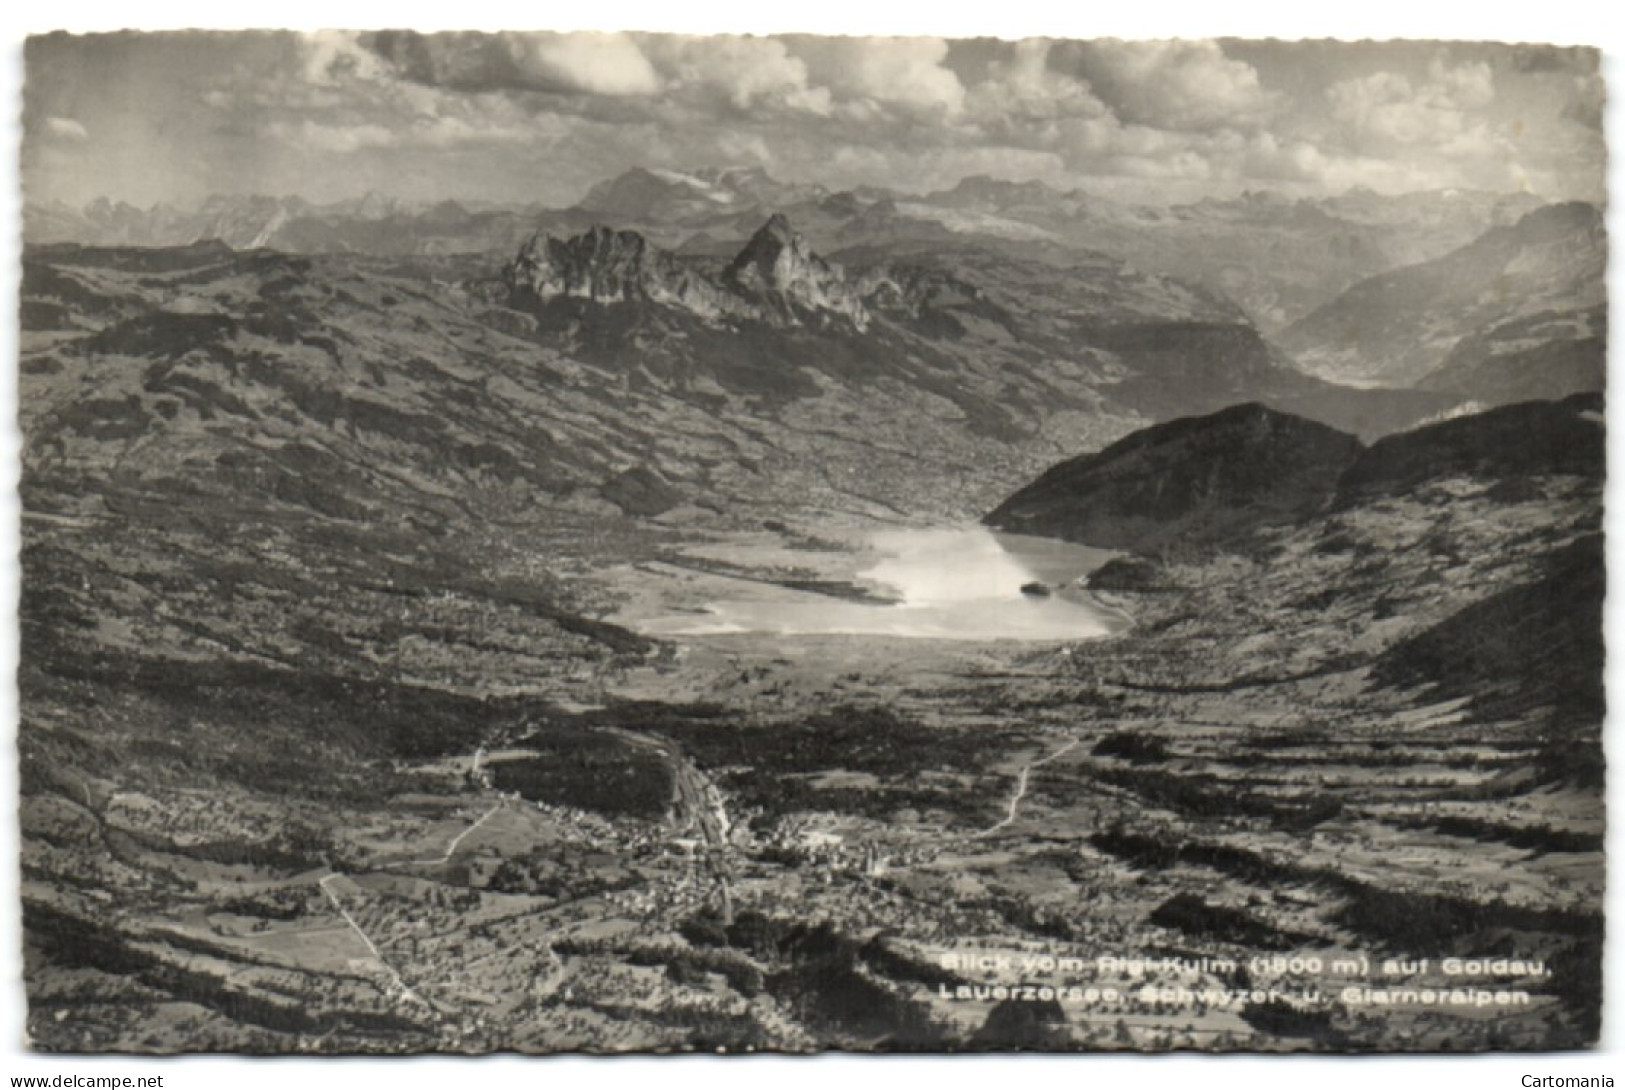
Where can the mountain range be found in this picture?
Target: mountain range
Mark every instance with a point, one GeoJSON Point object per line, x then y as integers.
{"type": "Point", "coordinates": [1403, 326]}
{"type": "Point", "coordinates": [1466, 297]}
{"type": "Point", "coordinates": [1199, 484]}
{"type": "Point", "coordinates": [1013, 342]}
{"type": "Point", "coordinates": [963, 348]}
{"type": "Point", "coordinates": [1278, 258]}
{"type": "Point", "coordinates": [309, 535]}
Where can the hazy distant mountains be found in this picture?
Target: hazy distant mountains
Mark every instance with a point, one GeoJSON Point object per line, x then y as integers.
{"type": "Point", "coordinates": [1549, 353]}
{"type": "Point", "coordinates": [596, 365]}
{"type": "Point", "coordinates": [1515, 313]}
{"type": "Point", "coordinates": [1014, 304]}
{"type": "Point", "coordinates": [370, 225]}
{"type": "Point", "coordinates": [1277, 258]}
{"type": "Point", "coordinates": [663, 196]}
{"type": "Point", "coordinates": [1011, 342]}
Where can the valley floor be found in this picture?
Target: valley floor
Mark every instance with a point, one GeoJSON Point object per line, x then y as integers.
{"type": "Point", "coordinates": [375, 695]}
{"type": "Point", "coordinates": [293, 790]}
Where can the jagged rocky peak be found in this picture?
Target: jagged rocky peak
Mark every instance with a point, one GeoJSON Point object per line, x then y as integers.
{"type": "Point", "coordinates": [602, 264]}
{"type": "Point", "coordinates": [776, 278]}
{"type": "Point", "coordinates": [769, 257]}
{"type": "Point", "coordinates": [777, 266]}
{"type": "Point", "coordinates": [609, 266]}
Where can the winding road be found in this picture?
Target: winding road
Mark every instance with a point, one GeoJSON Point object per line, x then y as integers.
{"type": "Point", "coordinates": [1021, 788]}
{"type": "Point", "coordinates": [458, 839]}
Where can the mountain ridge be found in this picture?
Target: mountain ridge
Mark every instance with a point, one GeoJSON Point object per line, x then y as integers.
{"type": "Point", "coordinates": [1398, 327]}
{"type": "Point", "coordinates": [1202, 483]}
{"type": "Point", "coordinates": [1279, 257]}
{"type": "Point", "coordinates": [776, 278]}
{"type": "Point", "coordinates": [1191, 483]}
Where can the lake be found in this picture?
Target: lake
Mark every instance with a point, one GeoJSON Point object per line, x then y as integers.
{"type": "Point", "coordinates": [960, 583]}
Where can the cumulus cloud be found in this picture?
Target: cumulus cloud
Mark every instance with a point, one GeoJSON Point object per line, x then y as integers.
{"type": "Point", "coordinates": [1023, 87]}
{"type": "Point", "coordinates": [1387, 108]}
{"type": "Point", "coordinates": [1467, 86]}
{"type": "Point", "coordinates": [1265, 156]}
{"type": "Point", "coordinates": [1293, 163]}
{"type": "Point", "coordinates": [1384, 104]}
{"type": "Point", "coordinates": [462, 61]}
{"type": "Point", "coordinates": [902, 72]}
{"type": "Point", "coordinates": [803, 74]}
{"type": "Point", "coordinates": [65, 128]}
{"type": "Point", "coordinates": [1172, 85]}
{"type": "Point", "coordinates": [587, 63]}
{"type": "Point", "coordinates": [737, 147]}
{"type": "Point", "coordinates": [544, 115]}
{"type": "Point", "coordinates": [1181, 166]}
{"type": "Point", "coordinates": [746, 72]}
{"type": "Point", "coordinates": [602, 64]}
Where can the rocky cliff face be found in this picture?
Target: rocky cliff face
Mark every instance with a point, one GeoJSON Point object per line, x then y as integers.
{"type": "Point", "coordinates": [778, 270]}
{"type": "Point", "coordinates": [608, 266]}
{"type": "Point", "coordinates": [775, 279]}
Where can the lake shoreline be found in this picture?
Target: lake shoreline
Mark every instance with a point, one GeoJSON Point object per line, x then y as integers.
{"type": "Point", "coordinates": [963, 583]}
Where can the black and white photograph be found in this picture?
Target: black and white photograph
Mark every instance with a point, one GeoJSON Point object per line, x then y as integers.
{"type": "Point", "coordinates": [635, 542]}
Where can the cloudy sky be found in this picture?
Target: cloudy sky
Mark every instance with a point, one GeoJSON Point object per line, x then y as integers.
{"type": "Point", "coordinates": [540, 117]}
